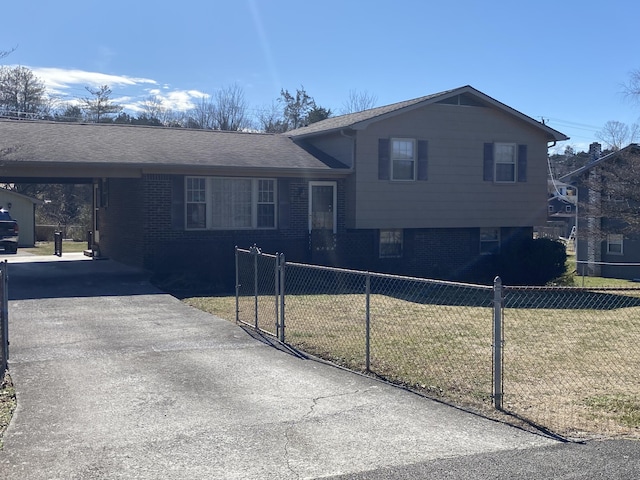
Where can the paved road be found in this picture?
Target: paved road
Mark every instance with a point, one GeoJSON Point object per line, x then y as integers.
{"type": "Point", "coordinates": [118, 380]}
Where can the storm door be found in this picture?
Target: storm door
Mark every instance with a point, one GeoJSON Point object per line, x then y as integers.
{"type": "Point", "coordinates": [322, 215]}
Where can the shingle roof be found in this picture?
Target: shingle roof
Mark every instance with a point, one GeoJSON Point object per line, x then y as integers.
{"type": "Point", "coordinates": [350, 119]}
{"type": "Point", "coordinates": [138, 146]}
{"type": "Point", "coordinates": [360, 119]}
{"type": "Point", "coordinates": [632, 148]}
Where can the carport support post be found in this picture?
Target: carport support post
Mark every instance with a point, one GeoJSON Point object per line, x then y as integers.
{"type": "Point", "coordinates": [497, 343]}
{"type": "Point", "coordinates": [5, 314]}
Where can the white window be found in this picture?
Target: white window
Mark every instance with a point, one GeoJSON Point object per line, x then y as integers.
{"type": "Point", "coordinates": [614, 244]}
{"type": "Point", "coordinates": [403, 159]}
{"type": "Point", "coordinates": [505, 156]}
{"type": "Point", "coordinates": [391, 243]}
{"type": "Point", "coordinates": [230, 203]}
{"type": "Point", "coordinates": [196, 203]}
{"type": "Point", "coordinates": [489, 240]}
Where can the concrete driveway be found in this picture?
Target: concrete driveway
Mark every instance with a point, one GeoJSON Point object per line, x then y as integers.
{"type": "Point", "coordinates": [116, 379]}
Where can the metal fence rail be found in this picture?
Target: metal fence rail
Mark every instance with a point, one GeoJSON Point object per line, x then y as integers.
{"type": "Point", "coordinates": [562, 358]}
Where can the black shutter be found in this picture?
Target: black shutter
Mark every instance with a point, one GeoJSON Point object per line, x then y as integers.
{"type": "Point", "coordinates": [487, 174]}
{"type": "Point", "coordinates": [177, 203]}
{"type": "Point", "coordinates": [284, 203]}
{"type": "Point", "coordinates": [423, 160]}
{"type": "Point", "coordinates": [383, 159]}
{"type": "Point", "coordinates": [522, 163]}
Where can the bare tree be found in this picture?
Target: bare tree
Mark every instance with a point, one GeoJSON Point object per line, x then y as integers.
{"type": "Point", "coordinates": [359, 101]}
{"type": "Point", "coordinates": [99, 107]}
{"type": "Point", "coordinates": [231, 109]}
{"type": "Point", "coordinates": [614, 194]}
{"type": "Point", "coordinates": [270, 119]}
{"type": "Point", "coordinates": [203, 114]}
{"type": "Point", "coordinates": [617, 135]}
{"type": "Point", "coordinates": [21, 92]}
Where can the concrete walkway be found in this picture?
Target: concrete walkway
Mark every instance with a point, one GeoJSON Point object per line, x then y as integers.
{"type": "Point", "coordinates": [117, 380]}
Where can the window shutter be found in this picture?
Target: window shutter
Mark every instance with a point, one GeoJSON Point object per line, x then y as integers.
{"type": "Point", "coordinates": [487, 174]}
{"type": "Point", "coordinates": [177, 203]}
{"type": "Point", "coordinates": [522, 163]}
{"type": "Point", "coordinates": [284, 203]}
{"type": "Point", "coordinates": [384, 159]}
{"type": "Point", "coordinates": [423, 160]}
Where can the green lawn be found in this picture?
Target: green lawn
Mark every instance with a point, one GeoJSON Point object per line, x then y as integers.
{"type": "Point", "coordinates": [47, 248]}
{"type": "Point", "coordinates": [570, 366]}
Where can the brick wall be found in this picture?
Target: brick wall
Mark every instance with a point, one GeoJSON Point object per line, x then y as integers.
{"type": "Point", "coordinates": [157, 242]}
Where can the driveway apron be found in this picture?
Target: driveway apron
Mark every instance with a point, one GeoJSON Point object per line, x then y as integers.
{"type": "Point", "coordinates": [116, 379]}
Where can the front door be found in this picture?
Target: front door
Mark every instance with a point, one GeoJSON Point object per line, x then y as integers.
{"type": "Point", "coordinates": [322, 215]}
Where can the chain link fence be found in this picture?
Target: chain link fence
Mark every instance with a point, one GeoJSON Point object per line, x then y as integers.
{"type": "Point", "coordinates": [561, 358]}
{"type": "Point", "coordinates": [571, 358]}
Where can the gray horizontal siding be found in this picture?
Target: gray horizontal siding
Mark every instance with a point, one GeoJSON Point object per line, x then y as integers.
{"type": "Point", "coordinates": [455, 194]}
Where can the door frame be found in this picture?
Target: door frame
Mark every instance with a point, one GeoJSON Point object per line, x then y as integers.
{"type": "Point", "coordinates": [335, 202]}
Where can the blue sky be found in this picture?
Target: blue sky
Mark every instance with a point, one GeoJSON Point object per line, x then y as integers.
{"type": "Point", "coordinates": [564, 61]}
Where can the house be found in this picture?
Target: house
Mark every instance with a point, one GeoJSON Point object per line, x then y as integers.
{"type": "Point", "coordinates": [606, 246]}
{"type": "Point", "coordinates": [562, 209]}
{"type": "Point", "coordinates": [22, 209]}
{"type": "Point", "coordinates": [423, 187]}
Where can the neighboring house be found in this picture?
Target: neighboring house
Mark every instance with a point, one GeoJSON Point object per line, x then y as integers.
{"type": "Point", "coordinates": [603, 247]}
{"type": "Point", "coordinates": [421, 187]}
{"type": "Point", "coordinates": [22, 209]}
{"type": "Point", "coordinates": [562, 208]}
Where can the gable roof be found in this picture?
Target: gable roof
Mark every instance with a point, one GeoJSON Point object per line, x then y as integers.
{"type": "Point", "coordinates": [360, 120]}
{"type": "Point", "coordinates": [632, 148]}
{"type": "Point", "coordinates": [39, 143]}
{"type": "Point", "coordinates": [11, 193]}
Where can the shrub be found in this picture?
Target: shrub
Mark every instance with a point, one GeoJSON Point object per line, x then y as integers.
{"type": "Point", "coordinates": [529, 261]}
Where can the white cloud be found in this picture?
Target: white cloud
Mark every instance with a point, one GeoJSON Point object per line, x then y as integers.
{"type": "Point", "coordinates": [59, 79]}
{"type": "Point", "coordinates": [69, 84]}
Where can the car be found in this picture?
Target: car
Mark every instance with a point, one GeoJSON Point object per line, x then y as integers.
{"type": "Point", "coordinates": [9, 231]}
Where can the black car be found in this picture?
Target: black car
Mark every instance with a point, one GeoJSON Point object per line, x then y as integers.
{"type": "Point", "coordinates": [8, 232]}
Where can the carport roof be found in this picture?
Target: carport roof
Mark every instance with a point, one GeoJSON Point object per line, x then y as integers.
{"type": "Point", "coordinates": [44, 144]}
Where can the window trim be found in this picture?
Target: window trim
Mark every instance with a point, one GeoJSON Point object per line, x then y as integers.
{"type": "Point", "coordinates": [209, 211]}
{"type": "Point", "coordinates": [399, 232]}
{"type": "Point", "coordinates": [392, 160]}
{"type": "Point", "coordinates": [497, 242]}
{"type": "Point", "coordinates": [514, 163]}
{"type": "Point", "coordinates": [615, 239]}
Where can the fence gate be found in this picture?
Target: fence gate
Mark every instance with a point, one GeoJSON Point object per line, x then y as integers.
{"type": "Point", "coordinates": [259, 299]}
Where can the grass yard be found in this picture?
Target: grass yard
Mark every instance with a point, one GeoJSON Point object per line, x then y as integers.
{"type": "Point", "coordinates": [572, 370]}
{"type": "Point", "coordinates": [7, 404]}
{"type": "Point", "coordinates": [47, 248]}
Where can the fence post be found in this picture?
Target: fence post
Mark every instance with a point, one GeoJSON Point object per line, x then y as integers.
{"type": "Point", "coordinates": [255, 251]}
{"type": "Point", "coordinates": [281, 267]}
{"type": "Point", "coordinates": [367, 321]}
{"type": "Point", "coordinates": [497, 343]}
{"type": "Point", "coordinates": [276, 287]}
{"type": "Point", "coordinates": [237, 286]}
{"type": "Point", "coordinates": [4, 317]}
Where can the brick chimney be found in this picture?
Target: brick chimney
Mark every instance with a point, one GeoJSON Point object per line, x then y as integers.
{"type": "Point", "coordinates": [595, 151]}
